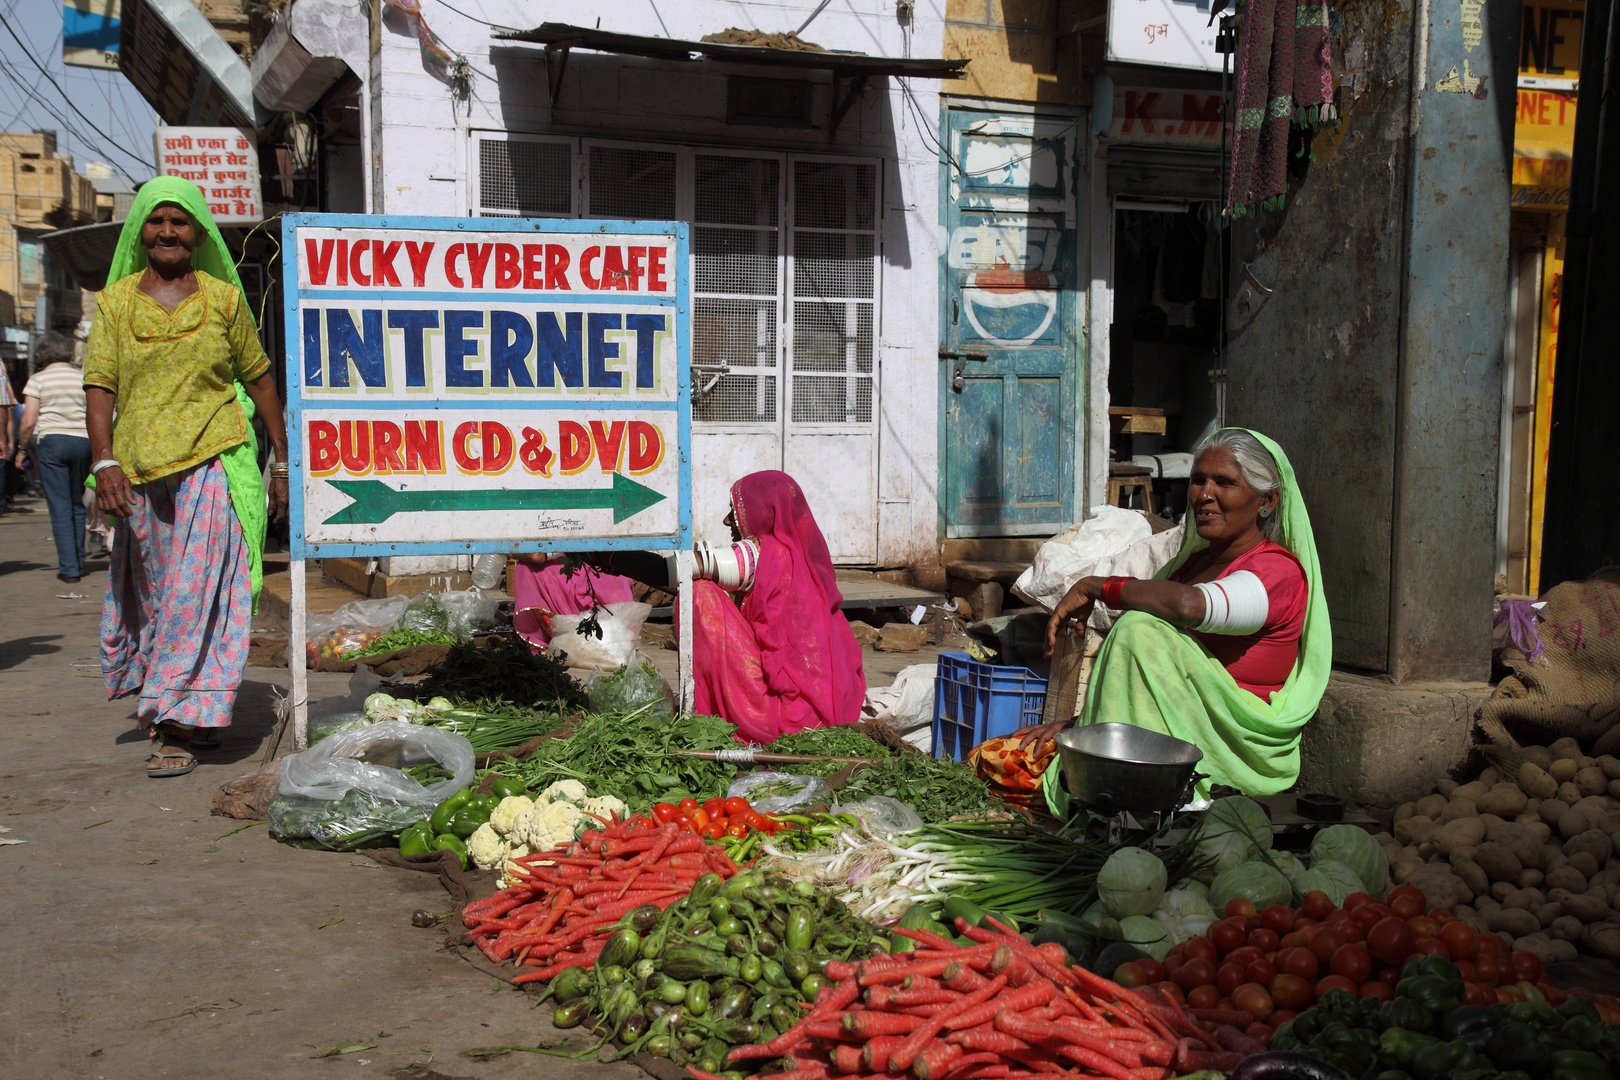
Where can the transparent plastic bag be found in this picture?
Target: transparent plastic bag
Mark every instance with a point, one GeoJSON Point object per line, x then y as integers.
{"type": "Point", "coordinates": [337, 724]}
{"type": "Point", "coordinates": [632, 688]}
{"type": "Point", "coordinates": [882, 813]}
{"type": "Point", "coordinates": [426, 613]}
{"type": "Point", "coordinates": [351, 627]}
{"type": "Point", "coordinates": [621, 629]}
{"type": "Point", "coordinates": [468, 613]}
{"type": "Point", "coordinates": [350, 790]}
{"type": "Point", "coordinates": [814, 790]}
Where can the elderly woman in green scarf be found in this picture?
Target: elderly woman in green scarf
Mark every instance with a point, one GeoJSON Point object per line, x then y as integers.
{"type": "Point", "coordinates": [174, 351]}
{"type": "Point", "coordinates": [1228, 645]}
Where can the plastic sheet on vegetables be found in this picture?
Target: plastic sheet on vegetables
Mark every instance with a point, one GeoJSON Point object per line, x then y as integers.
{"type": "Point", "coordinates": [1131, 882]}
{"type": "Point", "coordinates": [1258, 882]}
{"type": "Point", "coordinates": [1354, 847]}
{"type": "Point", "coordinates": [813, 790]}
{"type": "Point", "coordinates": [882, 814]}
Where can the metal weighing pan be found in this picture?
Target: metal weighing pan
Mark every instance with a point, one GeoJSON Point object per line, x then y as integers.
{"type": "Point", "coordinates": [1115, 767]}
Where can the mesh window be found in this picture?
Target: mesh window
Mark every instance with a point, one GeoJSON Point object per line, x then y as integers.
{"type": "Point", "coordinates": [632, 183]}
{"type": "Point", "coordinates": [832, 264]}
{"type": "Point", "coordinates": [832, 363]}
{"type": "Point", "coordinates": [736, 190]}
{"type": "Point", "coordinates": [735, 335]}
{"type": "Point", "coordinates": [734, 260]}
{"type": "Point", "coordinates": [834, 196]}
{"type": "Point", "coordinates": [525, 179]}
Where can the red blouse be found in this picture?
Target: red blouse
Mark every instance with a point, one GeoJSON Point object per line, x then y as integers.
{"type": "Point", "coordinates": [1261, 662]}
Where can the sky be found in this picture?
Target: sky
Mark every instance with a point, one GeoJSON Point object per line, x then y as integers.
{"type": "Point", "coordinates": [107, 101]}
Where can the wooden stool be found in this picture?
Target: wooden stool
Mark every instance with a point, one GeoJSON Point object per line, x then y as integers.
{"type": "Point", "coordinates": [1125, 478]}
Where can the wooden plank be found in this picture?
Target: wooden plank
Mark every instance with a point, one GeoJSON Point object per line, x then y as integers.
{"type": "Point", "coordinates": [1133, 410]}
{"type": "Point", "coordinates": [1137, 425]}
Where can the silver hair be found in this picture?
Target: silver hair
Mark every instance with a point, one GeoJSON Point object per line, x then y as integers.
{"type": "Point", "coordinates": [53, 348]}
{"type": "Point", "coordinates": [1256, 465]}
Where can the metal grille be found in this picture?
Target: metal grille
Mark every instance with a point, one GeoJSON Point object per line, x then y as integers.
{"type": "Point", "coordinates": [632, 183]}
{"type": "Point", "coordinates": [519, 178]}
{"type": "Point", "coordinates": [834, 241]}
{"type": "Point", "coordinates": [736, 285]}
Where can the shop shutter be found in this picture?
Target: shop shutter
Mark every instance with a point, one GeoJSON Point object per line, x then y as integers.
{"type": "Point", "coordinates": [833, 291]}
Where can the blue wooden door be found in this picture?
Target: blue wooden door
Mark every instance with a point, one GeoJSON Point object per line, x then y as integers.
{"type": "Point", "coordinates": [1009, 355]}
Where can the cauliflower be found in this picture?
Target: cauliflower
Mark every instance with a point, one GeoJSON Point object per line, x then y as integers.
{"type": "Point", "coordinates": [508, 811]}
{"type": "Point", "coordinates": [486, 848]}
{"type": "Point", "coordinates": [547, 826]}
{"type": "Point", "coordinates": [511, 872]}
{"type": "Point", "coordinates": [571, 791]}
{"type": "Point", "coordinates": [606, 806]}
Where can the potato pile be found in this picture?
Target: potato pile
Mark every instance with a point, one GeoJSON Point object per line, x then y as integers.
{"type": "Point", "coordinates": [1531, 858]}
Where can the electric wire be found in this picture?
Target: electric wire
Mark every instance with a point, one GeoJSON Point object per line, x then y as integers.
{"type": "Point", "coordinates": [55, 114]}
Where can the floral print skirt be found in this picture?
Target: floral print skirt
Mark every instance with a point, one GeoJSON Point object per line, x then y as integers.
{"type": "Point", "coordinates": [179, 607]}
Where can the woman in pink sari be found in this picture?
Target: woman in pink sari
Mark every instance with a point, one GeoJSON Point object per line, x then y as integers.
{"type": "Point", "coordinates": [540, 590]}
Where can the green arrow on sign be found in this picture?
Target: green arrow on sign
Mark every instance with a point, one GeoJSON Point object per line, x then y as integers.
{"type": "Point", "coordinates": [375, 501]}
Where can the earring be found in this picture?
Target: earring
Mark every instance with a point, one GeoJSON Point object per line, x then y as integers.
{"type": "Point", "coordinates": [1265, 511]}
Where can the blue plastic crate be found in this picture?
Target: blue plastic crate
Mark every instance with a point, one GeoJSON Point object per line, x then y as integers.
{"type": "Point", "coordinates": [974, 702]}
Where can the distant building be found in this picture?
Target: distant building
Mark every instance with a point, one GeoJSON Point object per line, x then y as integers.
{"type": "Point", "coordinates": [114, 194]}
{"type": "Point", "coordinates": [39, 193]}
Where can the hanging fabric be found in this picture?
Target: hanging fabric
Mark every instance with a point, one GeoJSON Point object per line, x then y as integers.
{"type": "Point", "coordinates": [1284, 77]}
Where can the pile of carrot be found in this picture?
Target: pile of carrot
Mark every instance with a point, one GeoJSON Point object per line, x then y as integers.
{"type": "Point", "coordinates": [570, 901]}
{"type": "Point", "coordinates": [999, 1008]}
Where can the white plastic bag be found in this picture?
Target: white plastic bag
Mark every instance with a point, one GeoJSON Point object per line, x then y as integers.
{"type": "Point", "coordinates": [815, 790]}
{"type": "Point", "coordinates": [470, 612]}
{"type": "Point", "coordinates": [621, 629]}
{"type": "Point", "coordinates": [351, 627]}
{"type": "Point", "coordinates": [1074, 554]}
{"type": "Point", "coordinates": [881, 813]}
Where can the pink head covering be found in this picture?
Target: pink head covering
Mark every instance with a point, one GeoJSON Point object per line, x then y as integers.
{"type": "Point", "coordinates": [771, 504]}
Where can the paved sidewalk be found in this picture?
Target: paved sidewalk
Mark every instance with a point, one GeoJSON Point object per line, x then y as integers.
{"type": "Point", "coordinates": [146, 944]}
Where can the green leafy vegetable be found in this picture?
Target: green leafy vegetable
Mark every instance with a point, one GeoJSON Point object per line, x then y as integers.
{"type": "Point", "coordinates": [838, 741]}
{"type": "Point", "coordinates": [631, 756]}
{"type": "Point", "coordinates": [937, 788]}
{"type": "Point", "coordinates": [403, 638]}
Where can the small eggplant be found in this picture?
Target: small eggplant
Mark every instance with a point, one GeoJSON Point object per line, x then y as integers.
{"type": "Point", "coordinates": [1277, 1065]}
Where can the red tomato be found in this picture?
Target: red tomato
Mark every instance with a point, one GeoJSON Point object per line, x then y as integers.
{"type": "Point", "coordinates": [1259, 1032]}
{"type": "Point", "coordinates": [1368, 914]}
{"type": "Point", "coordinates": [1172, 964]}
{"type": "Point", "coordinates": [1278, 918]}
{"type": "Point", "coordinates": [738, 829]}
{"type": "Point", "coordinates": [699, 818]}
{"type": "Point", "coordinates": [1352, 962]}
{"type": "Point", "coordinates": [1461, 940]}
{"type": "Point", "coordinates": [1239, 906]}
{"type": "Point", "coordinates": [665, 812]}
{"type": "Point", "coordinates": [1486, 967]}
{"type": "Point", "coordinates": [1293, 940]}
{"type": "Point", "coordinates": [1441, 915]}
{"type": "Point", "coordinates": [713, 831]}
{"type": "Point", "coordinates": [1152, 969]}
{"type": "Point", "coordinates": [720, 820]}
{"type": "Point", "coordinates": [735, 805]}
{"type": "Point", "coordinates": [1253, 999]}
{"type": "Point", "coordinates": [1299, 962]}
{"type": "Point", "coordinates": [1281, 1016]}
{"type": "Point", "coordinates": [1129, 975]}
{"type": "Point", "coordinates": [1264, 939]}
{"type": "Point", "coordinates": [1172, 992]}
{"type": "Point", "coordinates": [1433, 946]}
{"type": "Point", "coordinates": [1325, 942]}
{"type": "Point", "coordinates": [686, 825]}
{"type": "Point", "coordinates": [1335, 982]}
{"type": "Point", "coordinates": [1252, 923]}
{"type": "Point", "coordinates": [1244, 957]}
{"type": "Point", "coordinates": [1508, 995]}
{"type": "Point", "coordinates": [1228, 978]}
{"type": "Point", "coordinates": [1423, 926]}
{"type": "Point", "coordinates": [1260, 971]}
{"type": "Point", "coordinates": [1379, 990]}
{"type": "Point", "coordinates": [1406, 901]}
{"type": "Point", "coordinates": [714, 807]}
{"type": "Point", "coordinates": [1526, 968]}
{"type": "Point", "coordinates": [1391, 975]}
{"type": "Point", "coordinates": [1356, 899]}
{"type": "Point", "coordinates": [1292, 992]}
{"type": "Point", "coordinates": [1315, 905]}
{"type": "Point", "coordinates": [1494, 947]}
{"type": "Point", "coordinates": [1350, 930]}
{"type": "Point", "coordinates": [1391, 940]}
{"type": "Point", "coordinates": [1225, 935]}
{"type": "Point", "coordinates": [689, 805]}
{"type": "Point", "coordinates": [1203, 997]}
{"type": "Point", "coordinates": [1468, 971]}
{"type": "Point", "coordinates": [1305, 922]}
{"type": "Point", "coordinates": [1196, 973]}
{"type": "Point", "coordinates": [1475, 994]}
{"type": "Point", "coordinates": [1178, 949]}
{"type": "Point", "coordinates": [1202, 948]}
{"type": "Point", "coordinates": [757, 821]}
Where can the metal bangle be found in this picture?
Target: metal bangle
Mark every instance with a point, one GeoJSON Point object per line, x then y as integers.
{"type": "Point", "coordinates": [278, 469]}
{"type": "Point", "coordinates": [104, 463]}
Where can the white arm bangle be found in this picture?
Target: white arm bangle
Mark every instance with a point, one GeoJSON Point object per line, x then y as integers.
{"type": "Point", "coordinates": [1235, 604]}
{"type": "Point", "coordinates": [732, 568]}
{"type": "Point", "coordinates": [104, 463]}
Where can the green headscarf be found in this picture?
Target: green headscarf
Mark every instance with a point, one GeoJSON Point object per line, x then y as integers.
{"type": "Point", "coordinates": [212, 257]}
{"type": "Point", "coordinates": [1156, 676]}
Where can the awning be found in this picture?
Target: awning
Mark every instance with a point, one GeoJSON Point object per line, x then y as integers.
{"type": "Point", "coordinates": [859, 68]}
{"type": "Point", "coordinates": [86, 251]}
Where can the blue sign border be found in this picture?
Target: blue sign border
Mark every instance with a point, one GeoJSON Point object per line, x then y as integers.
{"type": "Point", "coordinates": [678, 541]}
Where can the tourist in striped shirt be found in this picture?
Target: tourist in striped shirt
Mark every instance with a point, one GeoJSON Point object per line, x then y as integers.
{"type": "Point", "coordinates": [53, 409]}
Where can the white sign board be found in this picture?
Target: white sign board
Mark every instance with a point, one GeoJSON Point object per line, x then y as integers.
{"type": "Point", "coordinates": [222, 161]}
{"type": "Point", "coordinates": [1165, 33]}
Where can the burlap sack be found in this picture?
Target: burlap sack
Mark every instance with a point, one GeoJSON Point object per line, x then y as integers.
{"type": "Point", "coordinates": [1574, 688]}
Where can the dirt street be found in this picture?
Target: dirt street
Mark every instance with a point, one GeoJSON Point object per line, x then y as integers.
{"type": "Point", "coordinates": [147, 944]}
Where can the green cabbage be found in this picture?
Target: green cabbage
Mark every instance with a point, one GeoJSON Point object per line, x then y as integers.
{"type": "Point", "coordinates": [1333, 878]}
{"type": "Point", "coordinates": [1131, 882]}
{"type": "Point", "coordinates": [1183, 915]}
{"type": "Point", "coordinates": [1147, 935]}
{"type": "Point", "coordinates": [1221, 853]}
{"type": "Point", "coordinates": [1194, 886]}
{"type": "Point", "coordinates": [1355, 848]}
{"type": "Point", "coordinates": [1290, 866]}
{"type": "Point", "coordinates": [1241, 815]}
{"type": "Point", "coordinates": [1258, 882]}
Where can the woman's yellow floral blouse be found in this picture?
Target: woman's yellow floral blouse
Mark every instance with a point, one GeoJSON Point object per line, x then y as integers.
{"type": "Point", "coordinates": [173, 373]}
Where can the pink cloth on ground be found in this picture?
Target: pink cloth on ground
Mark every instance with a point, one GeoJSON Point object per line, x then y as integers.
{"type": "Point", "coordinates": [785, 659]}
{"type": "Point", "coordinates": [541, 593]}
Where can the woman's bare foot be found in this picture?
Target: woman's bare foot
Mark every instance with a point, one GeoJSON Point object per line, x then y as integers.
{"type": "Point", "coordinates": [171, 753]}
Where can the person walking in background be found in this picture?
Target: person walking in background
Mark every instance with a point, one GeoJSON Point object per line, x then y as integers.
{"type": "Point", "coordinates": [53, 408]}
{"type": "Point", "coordinates": [7, 445]}
{"type": "Point", "coordinates": [173, 348]}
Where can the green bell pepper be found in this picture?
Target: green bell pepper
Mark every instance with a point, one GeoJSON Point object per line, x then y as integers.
{"type": "Point", "coordinates": [466, 821]}
{"type": "Point", "coordinates": [1393, 1074]}
{"type": "Point", "coordinates": [1515, 1047]}
{"type": "Point", "coordinates": [1434, 994]}
{"type": "Point", "coordinates": [1537, 1016]}
{"type": "Point", "coordinates": [440, 820]}
{"type": "Point", "coordinates": [1583, 1032]}
{"type": "Point", "coordinates": [506, 788]}
{"type": "Point", "coordinates": [1405, 1013]}
{"type": "Point", "coordinates": [1470, 1023]}
{"type": "Point", "coordinates": [1397, 1047]}
{"type": "Point", "coordinates": [1438, 1058]}
{"type": "Point", "coordinates": [448, 842]}
{"type": "Point", "coordinates": [1579, 1065]}
{"type": "Point", "coordinates": [1577, 1006]}
{"type": "Point", "coordinates": [416, 840]}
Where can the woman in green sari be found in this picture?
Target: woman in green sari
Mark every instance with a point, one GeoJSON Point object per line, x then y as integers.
{"type": "Point", "coordinates": [1228, 645]}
